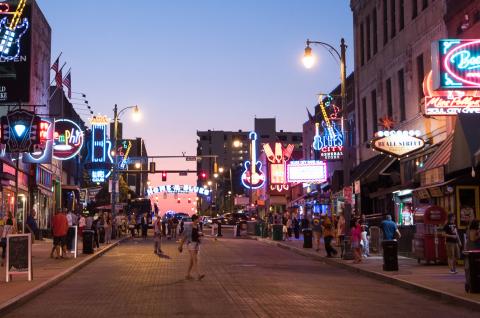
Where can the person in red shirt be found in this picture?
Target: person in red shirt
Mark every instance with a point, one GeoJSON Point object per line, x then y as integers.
{"type": "Point", "coordinates": [59, 229]}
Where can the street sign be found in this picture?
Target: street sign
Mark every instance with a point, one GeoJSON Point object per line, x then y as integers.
{"type": "Point", "coordinates": [191, 158]}
{"type": "Point", "coordinates": [183, 173]}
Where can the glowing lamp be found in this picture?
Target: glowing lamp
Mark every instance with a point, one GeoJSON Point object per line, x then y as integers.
{"type": "Point", "coordinates": [136, 114]}
{"type": "Point", "coordinates": [137, 165]}
{"type": "Point", "coordinates": [308, 58]}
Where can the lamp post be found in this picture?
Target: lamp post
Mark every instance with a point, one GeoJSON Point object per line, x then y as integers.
{"type": "Point", "coordinates": [116, 116]}
{"type": "Point", "coordinates": [308, 61]}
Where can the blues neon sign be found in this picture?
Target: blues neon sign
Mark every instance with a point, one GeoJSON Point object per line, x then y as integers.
{"type": "Point", "coordinates": [456, 64]}
{"type": "Point", "coordinates": [101, 158]}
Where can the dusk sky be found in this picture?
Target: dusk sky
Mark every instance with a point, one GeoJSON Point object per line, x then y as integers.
{"type": "Point", "coordinates": [198, 64]}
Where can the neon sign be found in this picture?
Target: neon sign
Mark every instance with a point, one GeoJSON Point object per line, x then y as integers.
{"type": "Point", "coordinates": [456, 64]}
{"type": "Point", "coordinates": [331, 143]}
{"type": "Point", "coordinates": [43, 153]}
{"type": "Point", "coordinates": [123, 151]}
{"type": "Point", "coordinates": [398, 143]}
{"type": "Point", "coordinates": [101, 158]}
{"type": "Point", "coordinates": [11, 34]}
{"type": "Point", "coordinates": [253, 177]}
{"type": "Point", "coordinates": [67, 139]}
{"type": "Point", "coordinates": [277, 161]}
{"type": "Point", "coordinates": [178, 189]}
{"type": "Point", "coordinates": [20, 131]}
{"type": "Point", "coordinates": [311, 171]}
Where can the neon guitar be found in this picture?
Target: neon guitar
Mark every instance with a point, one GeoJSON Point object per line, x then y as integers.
{"type": "Point", "coordinates": [11, 33]}
{"type": "Point", "coordinates": [253, 176]}
{"type": "Point", "coordinates": [317, 140]}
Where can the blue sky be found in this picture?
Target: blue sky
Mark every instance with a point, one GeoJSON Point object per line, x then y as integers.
{"type": "Point", "coordinates": [199, 64]}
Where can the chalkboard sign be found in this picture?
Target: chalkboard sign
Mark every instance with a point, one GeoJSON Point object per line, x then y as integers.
{"type": "Point", "coordinates": [19, 255]}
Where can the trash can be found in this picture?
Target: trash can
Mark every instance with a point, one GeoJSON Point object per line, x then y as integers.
{"type": "Point", "coordinates": [277, 232]}
{"type": "Point", "coordinates": [390, 257]}
{"type": "Point", "coordinates": [251, 227]}
{"type": "Point", "coordinates": [472, 271]}
{"type": "Point", "coordinates": [88, 241]}
{"type": "Point", "coordinates": [307, 238]}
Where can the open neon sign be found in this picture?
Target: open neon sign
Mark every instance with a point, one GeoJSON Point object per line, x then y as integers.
{"type": "Point", "coordinates": [456, 64]}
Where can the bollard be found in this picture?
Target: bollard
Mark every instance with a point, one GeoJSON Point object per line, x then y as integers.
{"type": "Point", "coordinates": [213, 229]}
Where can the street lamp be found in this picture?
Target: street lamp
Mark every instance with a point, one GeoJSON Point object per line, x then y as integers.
{"type": "Point", "coordinates": [116, 116]}
{"type": "Point", "coordinates": [308, 61]}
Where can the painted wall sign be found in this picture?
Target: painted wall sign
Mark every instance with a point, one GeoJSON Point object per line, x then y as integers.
{"type": "Point", "coordinates": [178, 189]}
{"type": "Point", "coordinates": [277, 162]}
{"type": "Point", "coordinates": [398, 143]}
{"type": "Point", "coordinates": [15, 43]}
{"type": "Point", "coordinates": [456, 64]}
{"type": "Point", "coordinates": [67, 139]}
{"type": "Point", "coordinates": [311, 171]}
{"type": "Point", "coordinates": [253, 177]}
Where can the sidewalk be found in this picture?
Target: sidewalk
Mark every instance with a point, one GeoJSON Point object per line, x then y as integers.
{"type": "Point", "coordinates": [431, 279]}
{"type": "Point", "coordinates": [46, 273]}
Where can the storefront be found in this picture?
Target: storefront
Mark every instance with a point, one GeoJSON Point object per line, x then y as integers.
{"type": "Point", "coordinates": [42, 198]}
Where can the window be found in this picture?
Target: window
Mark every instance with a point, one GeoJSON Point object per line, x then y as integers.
{"type": "Point", "coordinates": [402, 15]}
{"type": "Point", "coordinates": [414, 9]}
{"type": "Point", "coordinates": [385, 22]}
{"type": "Point", "coordinates": [420, 76]}
{"type": "Point", "coordinates": [424, 4]}
{"type": "Point", "coordinates": [374, 111]}
{"type": "Point", "coordinates": [368, 38]}
{"type": "Point", "coordinates": [364, 119]}
{"type": "Point", "coordinates": [375, 31]}
{"type": "Point", "coordinates": [389, 98]}
{"type": "Point", "coordinates": [393, 22]}
{"type": "Point", "coordinates": [362, 45]}
{"type": "Point", "coordinates": [401, 92]}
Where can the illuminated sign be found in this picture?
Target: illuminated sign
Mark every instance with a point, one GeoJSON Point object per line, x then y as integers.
{"type": "Point", "coordinates": [123, 151]}
{"type": "Point", "coordinates": [15, 45]}
{"type": "Point", "coordinates": [178, 189]}
{"type": "Point", "coordinates": [398, 143]}
{"type": "Point", "coordinates": [44, 152]}
{"type": "Point", "coordinates": [21, 131]}
{"type": "Point", "coordinates": [331, 143]}
{"type": "Point", "coordinates": [253, 177]}
{"type": "Point", "coordinates": [100, 157]}
{"type": "Point", "coordinates": [311, 171]}
{"type": "Point", "coordinates": [456, 64]}
{"type": "Point", "coordinates": [67, 139]}
{"type": "Point", "coordinates": [277, 161]}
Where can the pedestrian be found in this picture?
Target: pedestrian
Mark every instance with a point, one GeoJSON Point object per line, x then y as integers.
{"type": "Point", "coordinates": [473, 236]}
{"type": "Point", "coordinates": [317, 230]}
{"type": "Point", "coordinates": [175, 226]}
{"type": "Point", "coordinates": [365, 237]}
{"type": "Point", "coordinates": [289, 228]}
{"type": "Point", "coordinates": [341, 233]}
{"type": "Point", "coordinates": [81, 224]}
{"type": "Point", "coordinates": [390, 229]}
{"type": "Point", "coordinates": [31, 224]}
{"type": "Point", "coordinates": [108, 229]}
{"type": "Point", "coordinates": [169, 227]}
{"type": "Point", "coordinates": [356, 232]}
{"type": "Point", "coordinates": [95, 227]}
{"type": "Point", "coordinates": [144, 223]}
{"type": "Point", "coordinates": [8, 228]}
{"type": "Point", "coordinates": [191, 236]}
{"type": "Point", "coordinates": [70, 218]}
{"type": "Point", "coordinates": [157, 239]}
{"type": "Point", "coordinates": [453, 243]}
{"type": "Point", "coordinates": [328, 232]}
{"type": "Point", "coordinates": [296, 227]}
{"type": "Point", "coordinates": [60, 229]}
{"type": "Point", "coordinates": [132, 226]}
{"type": "Point", "coordinates": [182, 226]}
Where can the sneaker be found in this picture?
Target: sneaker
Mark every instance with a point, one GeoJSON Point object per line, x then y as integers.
{"type": "Point", "coordinates": [452, 271]}
{"type": "Point", "coordinates": [200, 277]}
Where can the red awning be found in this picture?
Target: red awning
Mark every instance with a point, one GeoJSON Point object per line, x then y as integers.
{"type": "Point", "coordinates": [441, 156]}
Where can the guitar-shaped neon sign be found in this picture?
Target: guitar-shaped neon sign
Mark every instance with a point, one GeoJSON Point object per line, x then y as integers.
{"type": "Point", "coordinates": [317, 140]}
{"type": "Point", "coordinates": [11, 34]}
{"type": "Point", "coordinates": [253, 177]}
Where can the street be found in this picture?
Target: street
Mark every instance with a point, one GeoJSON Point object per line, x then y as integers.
{"type": "Point", "coordinates": [244, 278]}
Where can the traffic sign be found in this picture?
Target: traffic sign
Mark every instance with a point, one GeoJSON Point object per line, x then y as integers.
{"type": "Point", "coordinates": [183, 173]}
{"type": "Point", "coordinates": [191, 158]}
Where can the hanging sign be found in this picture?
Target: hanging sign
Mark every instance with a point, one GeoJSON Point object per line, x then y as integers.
{"type": "Point", "coordinates": [398, 143]}
{"type": "Point", "coordinates": [43, 153]}
{"type": "Point", "coordinates": [311, 171]}
{"type": "Point", "coordinates": [100, 159]}
{"type": "Point", "coordinates": [67, 139]}
{"type": "Point", "coordinates": [21, 131]}
{"type": "Point", "coordinates": [456, 64]}
{"type": "Point", "coordinates": [277, 163]}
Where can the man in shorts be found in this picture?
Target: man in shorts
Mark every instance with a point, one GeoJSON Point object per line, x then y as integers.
{"type": "Point", "coordinates": [60, 229]}
{"type": "Point", "coordinates": [452, 243]}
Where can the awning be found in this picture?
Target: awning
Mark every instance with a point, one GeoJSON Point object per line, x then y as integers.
{"type": "Point", "coordinates": [370, 169]}
{"type": "Point", "coordinates": [383, 192]}
{"type": "Point", "coordinates": [431, 190]}
{"type": "Point", "coordinates": [364, 167]}
{"type": "Point", "coordinates": [70, 187]}
{"type": "Point", "coordinates": [441, 156]}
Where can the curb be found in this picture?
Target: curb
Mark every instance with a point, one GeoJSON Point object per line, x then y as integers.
{"type": "Point", "coordinates": [32, 293]}
{"type": "Point", "coordinates": [474, 305]}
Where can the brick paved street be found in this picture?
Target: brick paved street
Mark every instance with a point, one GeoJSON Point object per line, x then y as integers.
{"type": "Point", "coordinates": [244, 279]}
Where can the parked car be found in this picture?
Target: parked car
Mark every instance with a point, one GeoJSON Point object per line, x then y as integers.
{"type": "Point", "coordinates": [233, 218]}
{"type": "Point", "coordinates": [207, 220]}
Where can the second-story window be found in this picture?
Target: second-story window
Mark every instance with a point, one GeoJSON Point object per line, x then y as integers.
{"type": "Point", "coordinates": [393, 18]}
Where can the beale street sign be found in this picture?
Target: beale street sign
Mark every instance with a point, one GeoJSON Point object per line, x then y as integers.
{"type": "Point", "coordinates": [456, 64]}
{"type": "Point", "coordinates": [398, 143]}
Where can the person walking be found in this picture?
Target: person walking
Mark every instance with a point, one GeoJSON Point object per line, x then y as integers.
{"type": "Point", "coordinates": [296, 227]}
{"type": "Point", "coordinates": [317, 230]}
{"type": "Point", "coordinates": [60, 229]}
{"type": "Point", "coordinates": [31, 224]}
{"type": "Point", "coordinates": [453, 243]}
{"type": "Point", "coordinates": [144, 223]}
{"type": "Point", "coordinates": [131, 226]}
{"type": "Point", "coordinates": [108, 229]}
{"type": "Point", "coordinates": [94, 228]}
{"type": "Point", "coordinates": [191, 237]}
{"type": "Point", "coordinates": [174, 227]}
{"type": "Point", "coordinates": [82, 222]}
{"type": "Point", "coordinates": [328, 232]}
{"type": "Point", "coordinates": [157, 236]}
{"type": "Point", "coordinates": [341, 233]}
{"type": "Point", "coordinates": [8, 228]}
{"type": "Point", "coordinates": [289, 228]}
{"type": "Point", "coordinates": [365, 237]}
{"type": "Point", "coordinates": [356, 232]}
